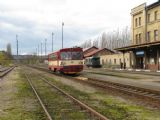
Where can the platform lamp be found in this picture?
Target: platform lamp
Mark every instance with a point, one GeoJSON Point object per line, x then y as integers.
{"type": "Point", "coordinates": [62, 34]}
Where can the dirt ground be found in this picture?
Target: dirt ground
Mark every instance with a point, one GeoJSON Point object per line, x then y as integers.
{"type": "Point", "coordinates": [17, 101]}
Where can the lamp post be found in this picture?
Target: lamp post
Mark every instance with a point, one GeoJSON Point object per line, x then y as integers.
{"type": "Point", "coordinates": [17, 44]}
{"type": "Point", "coordinates": [38, 50]}
{"type": "Point", "coordinates": [52, 41]}
{"type": "Point", "coordinates": [45, 47]}
{"type": "Point", "coordinates": [62, 34]}
{"type": "Point", "coordinates": [41, 50]}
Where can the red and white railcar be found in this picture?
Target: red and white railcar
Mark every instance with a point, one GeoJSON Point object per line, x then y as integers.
{"type": "Point", "coordinates": [67, 60]}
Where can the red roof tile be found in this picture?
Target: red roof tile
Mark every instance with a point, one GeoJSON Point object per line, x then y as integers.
{"type": "Point", "coordinates": [95, 52]}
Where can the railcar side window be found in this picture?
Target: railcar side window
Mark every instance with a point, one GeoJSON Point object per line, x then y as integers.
{"type": "Point", "coordinates": [77, 55]}
{"type": "Point", "coordinates": [52, 57]}
{"type": "Point", "coordinates": [71, 55]}
{"type": "Point", "coordinates": [66, 55]}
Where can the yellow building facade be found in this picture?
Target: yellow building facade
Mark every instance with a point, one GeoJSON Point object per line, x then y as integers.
{"type": "Point", "coordinates": [115, 60]}
{"type": "Point", "coordinates": [145, 23]}
{"type": "Point", "coordinates": [145, 32]}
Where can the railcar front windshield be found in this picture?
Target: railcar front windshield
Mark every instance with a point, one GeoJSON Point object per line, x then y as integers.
{"type": "Point", "coordinates": [71, 55]}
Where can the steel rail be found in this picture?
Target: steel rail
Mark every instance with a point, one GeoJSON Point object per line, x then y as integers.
{"type": "Point", "coordinates": [139, 91]}
{"type": "Point", "coordinates": [84, 106]}
{"type": "Point", "coordinates": [125, 86]}
{"type": "Point", "coordinates": [5, 72]}
{"type": "Point", "coordinates": [39, 99]}
{"type": "Point", "coordinates": [3, 69]}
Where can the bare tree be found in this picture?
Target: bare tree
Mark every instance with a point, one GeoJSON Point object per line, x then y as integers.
{"type": "Point", "coordinates": [86, 44]}
{"type": "Point", "coordinates": [111, 40]}
{"type": "Point", "coordinates": [95, 43]}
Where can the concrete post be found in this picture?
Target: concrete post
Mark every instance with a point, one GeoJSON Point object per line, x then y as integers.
{"type": "Point", "coordinates": [145, 58]}
{"type": "Point", "coordinates": [134, 59]}
{"type": "Point", "coordinates": [130, 59]}
{"type": "Point", "coordinates": [158, 58]}
{"type": "Point", "coordinates": [123, 61]}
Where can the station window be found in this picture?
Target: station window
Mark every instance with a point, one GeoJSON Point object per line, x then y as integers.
{"type": "Point", "coordinates": [155, 15]}
{"type": "Point", "coordinates": [136, 38]}
{"type": "Point", "coordinates": [110, 61]}
{"type": "Point", "coordinates": [140, 38]}
{"type": "Point", "coordinates": [148, 36]}
{"type": "Point", "coordinates": [106, 61]}
{"type": "Point", "coordinates": [102, 61]}
{"type": "Point", "coordinates": [120, 60]}
{"type": "Point", "coordinates": [155, 35]}
{"type": "Point", "coordinates": [136, 22]}
{"type": "Point", "coordinates": [114, 61]}
{"type": "Point", "coordinates": [149, 17]}
{"type": "Point", "coordinates": [139, 21]}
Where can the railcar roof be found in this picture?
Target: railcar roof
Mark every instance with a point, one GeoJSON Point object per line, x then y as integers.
{"type": "Point", "coordinates": [66, 49]}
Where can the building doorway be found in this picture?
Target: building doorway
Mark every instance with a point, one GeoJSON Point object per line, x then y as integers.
{"type": "Point", "coordinates": [140, 59]}
{"type": "Point", "coordinates": [139, 62]}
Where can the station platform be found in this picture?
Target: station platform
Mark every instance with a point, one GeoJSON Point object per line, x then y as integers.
{"type": "Point", "coordinates": [127, 78]}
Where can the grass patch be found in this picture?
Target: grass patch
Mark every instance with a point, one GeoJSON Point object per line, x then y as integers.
{"type": "Point", "coordinates": [22, 104]}
{"type": "Point", "coordinates": [58, 106]}
{"type": "Point", "coordinates": [111, 107]}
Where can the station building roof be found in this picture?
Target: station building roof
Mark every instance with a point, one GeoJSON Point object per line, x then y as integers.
{"type": "Point", "coordinates": [153, 5]}
{"type": "Point", "coordinates": [94, 52]}
{"type": "Point", "coordinates": [86, 50]}
{"type": "Point", "coordinates": [133, 47]}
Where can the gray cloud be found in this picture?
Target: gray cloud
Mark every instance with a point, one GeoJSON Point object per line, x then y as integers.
{"type": "Point", "coordinates": [35, 20]}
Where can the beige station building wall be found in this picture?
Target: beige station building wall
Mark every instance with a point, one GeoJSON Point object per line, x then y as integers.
{"type": "Point", "coordinates": [145, 21]}
{"type": "Point", "coordinates": [114, 60]}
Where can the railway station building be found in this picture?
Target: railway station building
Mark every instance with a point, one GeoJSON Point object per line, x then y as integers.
{"type": "Point", "coordinates": [145, 32]}
{"type": "Point", "coordinates": [115, 60]}
{"type": "Point", "coordinates": [94, 52]}
{"type": "Point", "coordinates": [88, 50]}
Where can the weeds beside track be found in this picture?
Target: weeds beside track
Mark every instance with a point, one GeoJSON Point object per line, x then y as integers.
{"type": "Point", "coordinates": [58, 104]}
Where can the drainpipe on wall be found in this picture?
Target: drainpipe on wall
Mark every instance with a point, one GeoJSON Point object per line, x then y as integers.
{"type": "Point", "coordinates": [123, 61]}
{"type": "Point", "coordinates": [134, 59]}
{"type": "Point", "coordinates": [145, 58]}
{"type": "Point", "coordinates": [158, 57]}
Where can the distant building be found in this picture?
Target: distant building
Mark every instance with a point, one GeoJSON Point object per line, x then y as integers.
{"type": "Point", "coordinates": [95, 52]}
{"type": "Point", "coordinates": [145, 34]}
{"type": "Point", "coordinates": [98, 53]}
{"type": "Point", "coordinates": [116, 60]}
{"type": "Point", "coordinates": [88, 50]}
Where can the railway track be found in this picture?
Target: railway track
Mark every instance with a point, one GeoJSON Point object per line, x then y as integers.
{"type": "Point", "coordinates": [5, 71]}
{"type": "Point", "coordinates": [74, 106]}
{"type": "Point", "coordinates": [143, 93]}
{"type": "Point", "coordinates": [131, 90]}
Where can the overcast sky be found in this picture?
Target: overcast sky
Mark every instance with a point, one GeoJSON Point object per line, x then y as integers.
{"type": "Point", "coordinates": [35, 20]}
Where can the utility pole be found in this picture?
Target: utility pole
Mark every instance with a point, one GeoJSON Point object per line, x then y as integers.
{"type": "Point", "coordinates": [17, 44]}
{"type": "Point", "coordinates": [52, 41]}
{"type": "Point", "coordinates": [45, 47]}
{"type": "Point", "coordinates": [62, 34]}
{"type": "Point", "coordinates": [41, 49]}
{"type": "Point", "coordinates": [38, 49]}
{"type": "Point", "coordinates": [36, 52]}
